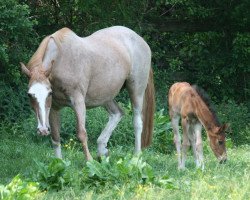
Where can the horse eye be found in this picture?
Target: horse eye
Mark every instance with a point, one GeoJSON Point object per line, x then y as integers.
{"type": "Point", "coordinates": [30, 95]}
{"type": "Point", "coordinates": [220, 142]}
{"type": "Point", "coordinates": [50, 93]}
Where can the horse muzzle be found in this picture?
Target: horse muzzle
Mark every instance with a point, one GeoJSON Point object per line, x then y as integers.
{"type": "Point", "coordinates": [223, 159]}
{"type": "Point", "coordinates": [43, 131]}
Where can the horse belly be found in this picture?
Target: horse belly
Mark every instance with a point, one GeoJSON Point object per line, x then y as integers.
{"type": "Point", "coordinates": [99, 94]}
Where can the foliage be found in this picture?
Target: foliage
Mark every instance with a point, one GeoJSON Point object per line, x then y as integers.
{"type": "Point", "coordinates": [16, 41]}
{"type": "Point", "coordinates": [110, 171]}
{"type": "Point", "coordinates": [16, 37]}
{"type": "Point", "coordinates": [20, 189]}
{"type": "Point", "coordinates": [119, 177]}
{"type": "Point", "coordinates": [238, 117]}
{"type": "Point", "coordinates": [128, 170]}
{"type": "Point", "coordinates": [205, 43]}
{"type": "Point", "coordinates": [202, 42]}
{"type": "Point", "coordinates": [55, 175]}
{"type": "Point", "coordinates": [163, 137]}
{"type": "Point", "coordinates": [241, 61]}
{"type": "Point", "coordinates": [13, 107]}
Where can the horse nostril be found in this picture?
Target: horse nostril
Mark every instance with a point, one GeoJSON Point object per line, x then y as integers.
{"type": "Point", "coordinates": [48, 128]}
{"type": "Point", "coordinates": [223, 161]}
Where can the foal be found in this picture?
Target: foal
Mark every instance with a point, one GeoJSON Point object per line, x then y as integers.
{"type": "Point", "coordinates": [192, 106]}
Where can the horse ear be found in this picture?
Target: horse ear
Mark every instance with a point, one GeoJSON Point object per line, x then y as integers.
{"type": "Point", "coordinates": [25, 70]}
{"type": "Point", "coordinates": [47, 72]}
{"type": "Point", "coordinates": [224, 128]}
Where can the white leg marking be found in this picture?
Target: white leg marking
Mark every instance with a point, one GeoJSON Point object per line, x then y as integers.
{"type": "Point", "coordinates": [192, 138]}
{"type": "Point", "coordinates": [57, 148]}
{"type": "Point", "coordinates": [138, 129]}
{"type": "Point", "coordinates": [185, 143]}
{"type": "Point", "coordinates": [198, 146]}
{"type": "Point", "coordinates": [106, 133]}
{"type": "Point", "coordinates": [177, 138]}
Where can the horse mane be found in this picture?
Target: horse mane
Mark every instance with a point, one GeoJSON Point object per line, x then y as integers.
{"type": "Point", "coordinates": [206, 99]}
{"type": "Point", "coordinates": [37, 58]}
{"type": "Point", "coordinates": [59, 35]}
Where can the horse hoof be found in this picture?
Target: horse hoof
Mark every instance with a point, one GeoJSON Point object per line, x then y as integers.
{"type": "Point", "coordinates": [99, 157]}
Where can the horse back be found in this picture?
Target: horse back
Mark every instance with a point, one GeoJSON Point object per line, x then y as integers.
{"type": "Point", "coordinates": [181, 99]}
{"type": "Point", "coordinates": [98, 65]}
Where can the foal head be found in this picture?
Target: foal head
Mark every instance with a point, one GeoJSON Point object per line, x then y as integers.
{"type": "Point", "coordinates": [40, 94]}
{"type": "Point", "coordinates": [218, 142]}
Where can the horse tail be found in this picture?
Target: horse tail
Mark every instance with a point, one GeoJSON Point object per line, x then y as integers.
{"type": "Point", "coordinates": [148, 112]}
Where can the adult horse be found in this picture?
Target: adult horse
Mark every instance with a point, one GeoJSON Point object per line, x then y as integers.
{"type": "Point", "coordinates": [68, 70]}
{"type": "Point", "coordinates": [192, 105]}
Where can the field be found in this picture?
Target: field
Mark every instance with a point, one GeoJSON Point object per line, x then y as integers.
{"type": "Point", "coordinates": [152, 175]}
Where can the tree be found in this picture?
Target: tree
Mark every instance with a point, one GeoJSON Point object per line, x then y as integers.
{"type": "Point", "coordinates": [16, 42]}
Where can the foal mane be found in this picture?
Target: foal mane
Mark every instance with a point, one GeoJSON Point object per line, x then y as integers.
{"type": "Point", "coordinates": [206, 99]}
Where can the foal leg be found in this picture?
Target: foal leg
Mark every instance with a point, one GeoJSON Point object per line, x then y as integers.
{"type": "Point", "coordinates": [54, 120]}
{"type": "Point", "coordinates": [177, 138]}
{"type": "Point", "coordinates": [80, 110]}
{"type": "Point", "coordinates": [198, 146]}
{"type": "Point", "coordinates": [192, 139]}
{"type": "Point", "coordinates": [185, 142]}
{"type": "Point", "coordinates": [115, 115]}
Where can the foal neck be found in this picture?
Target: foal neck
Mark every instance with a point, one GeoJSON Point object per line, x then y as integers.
{"type": "Point", "coordinates": [207, 117]}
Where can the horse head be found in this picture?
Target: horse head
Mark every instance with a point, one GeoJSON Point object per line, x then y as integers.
{"type": "Point", "coordinates": [218, 142]}
{"type": "Point", "coordinates": [40, 94]}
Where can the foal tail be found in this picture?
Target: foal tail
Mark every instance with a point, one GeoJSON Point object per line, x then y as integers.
{"type": "Point", "coordinates": [148, 112]}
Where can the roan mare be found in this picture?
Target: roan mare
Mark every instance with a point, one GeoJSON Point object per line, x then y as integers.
{"type": "Point", "coordinates": [68, 70]}
{"type": "Point", "coordinates": [191, 104]}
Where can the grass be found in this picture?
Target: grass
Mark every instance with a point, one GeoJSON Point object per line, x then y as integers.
{"type": "Point", "coordinates": [21, 150]}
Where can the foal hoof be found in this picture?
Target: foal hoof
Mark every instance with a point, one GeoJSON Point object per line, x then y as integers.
{"type": "Point", "coordinates": [181, 168]}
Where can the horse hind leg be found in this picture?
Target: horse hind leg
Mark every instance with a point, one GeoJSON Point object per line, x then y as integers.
{"type": "Point", "coordinates": [196, 141]}
{"type": "Point", "coordinates": [138, 123]}
{"type": "Point", "coordinates": [115, 115]}
{"type": "Point", "coordinates": [198, 146]}
{"type": "Point", "coordinates": [192, 139]}
{"type": "Point", "coordinates": [136, 99]}
{"type": "Point", "coordinates": [137, 105]}
{"type": "Point", "coordinates": [185, 142]}
{"type": "Point", "coordinates": [177, 139]}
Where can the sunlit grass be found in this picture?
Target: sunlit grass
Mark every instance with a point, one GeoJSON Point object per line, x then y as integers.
{"type": "Point", "coordinates": [20, 149]}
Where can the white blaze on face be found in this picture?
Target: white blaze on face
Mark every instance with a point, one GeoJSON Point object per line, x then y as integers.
{"type": "Point", "coordinates": [39, 93]}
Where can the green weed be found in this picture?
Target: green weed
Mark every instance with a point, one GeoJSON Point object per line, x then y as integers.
{"type": "Point", "coordinates": [20, 189]}
{"type": "Point", "coordinates": [54, 175]}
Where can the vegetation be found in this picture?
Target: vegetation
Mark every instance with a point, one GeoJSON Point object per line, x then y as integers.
{"type": "Point", "coordinates": [152, 175]}
{"type": "Point", "coordinates": [202, 42]}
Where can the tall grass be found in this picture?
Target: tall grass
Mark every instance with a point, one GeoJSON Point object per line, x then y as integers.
{"type": "Point", "coordinates": [24, 153]}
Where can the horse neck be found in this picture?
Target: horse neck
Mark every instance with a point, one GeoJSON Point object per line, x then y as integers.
{"type": "Point", "coordinates": [50, 54]}
{"type": "Point", "coordinates": [206, 116]}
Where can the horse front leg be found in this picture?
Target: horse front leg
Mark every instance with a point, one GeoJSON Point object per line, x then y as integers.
{"type": "Point", "coordinates": [80, 110]}
{"type": "Point", "coordinates": [54, 119]}
{"type": "Point", "coordinates": [115, 115]}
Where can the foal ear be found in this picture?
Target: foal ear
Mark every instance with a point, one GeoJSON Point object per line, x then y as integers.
{"type": "Point", "coordinates": [25, 70]}
{"type": "Point", "coordinates": [47, 72]}
{"type": "Point", "coordinates": [224, 128]}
